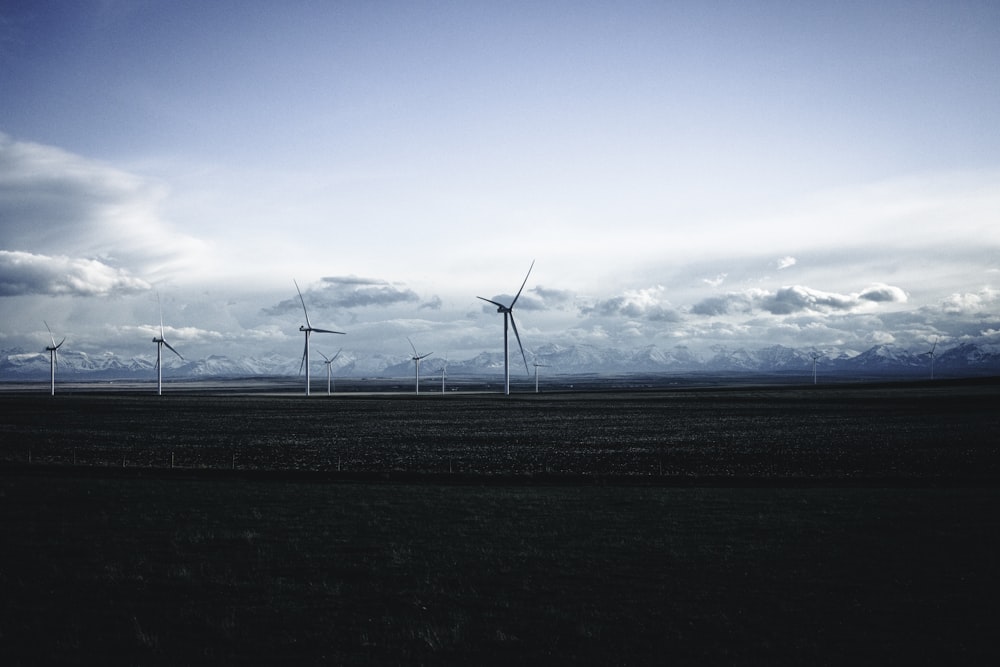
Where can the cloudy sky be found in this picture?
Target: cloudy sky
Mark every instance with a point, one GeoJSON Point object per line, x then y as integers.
{"type": "Point", "coordinates": [707, 173]}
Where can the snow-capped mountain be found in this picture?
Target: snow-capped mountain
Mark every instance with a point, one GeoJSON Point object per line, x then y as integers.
{"type": "Point", "coordinates": [882, 360]}
{"type": "Point", "coordinates": [889, 357]}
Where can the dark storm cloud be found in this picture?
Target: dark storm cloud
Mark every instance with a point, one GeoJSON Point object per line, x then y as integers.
{"type": "Point", "coordinates": [26, 273]}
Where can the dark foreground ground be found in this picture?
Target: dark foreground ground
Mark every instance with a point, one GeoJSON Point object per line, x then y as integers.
{"type": "Point", "coordinates": [757, 526]}
{"type": "Point", "coordinates": [855, 432]}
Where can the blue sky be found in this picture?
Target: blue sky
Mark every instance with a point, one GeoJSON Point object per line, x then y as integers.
{"type": "Point", "coordinates": [708, 173]}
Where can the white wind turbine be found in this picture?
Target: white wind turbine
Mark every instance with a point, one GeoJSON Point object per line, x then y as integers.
{"type": "Point", "coordinates": [444, 372]}
{"type": "Point", "coordinates": [53, 356]}
{"type": "Point", "coordinates": [416, 362]}
{"type": "Point", "coordinates": [307, 329]}
{"type": "Point", "coordinates": [329, 369]}
{"type": "Point", "coordinates": [815, 357]}
{"type": "Point", "coordinates": [160, 342]}
{"type": "Point", "coordinates": [537, 366]}
{"type": "Point", "coordinates": [931, 355]}
{"type": "Point", "coordinates": [508, 314]}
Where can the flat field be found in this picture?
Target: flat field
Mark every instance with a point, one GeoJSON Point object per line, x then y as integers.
{"type": "Point", "coordinates": [852, 432]}
{"type": "Point", "coordinates": [749, 526]}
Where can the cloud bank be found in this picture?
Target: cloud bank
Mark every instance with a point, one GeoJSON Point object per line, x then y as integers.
{"type": "Point", "coordinates": [23, 273]}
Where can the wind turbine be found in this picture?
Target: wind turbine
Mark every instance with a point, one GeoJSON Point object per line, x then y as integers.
{"type": "Point", "coordinates": [53, 356]}
{"type": "Point", "coordinates": [508, 314]}
{"type": "Point", "coordinates": [815, 357]}
{"type": "Point", "coordinates": [416, 362]}
{"type": "Point", "coordinates": [444, 372]}
{"type": "Point", "coordinates": [307, 329]}
{"type": "Point", "coordinates": [537, 366]}
{"type": "Point", "coordinates": [160, 342]}
{"type": "Point", "coordinates": [329, 369]}
{"type": "Point", "coordinates": [931, 355]}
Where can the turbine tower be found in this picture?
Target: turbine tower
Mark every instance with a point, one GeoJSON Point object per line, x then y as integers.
{"type": "Point", "coordinates": [329, 369]}
{"type": "Point", "coordinates": [416, 362]}
{"type": "Point", "coordinates": [307, 329]}
{"type": "Point", "coordinates": [508, 314]}
{"type": "Point", "coordinates": [160, 342]}
{"type": "Point", "coordinates": [53, 356]}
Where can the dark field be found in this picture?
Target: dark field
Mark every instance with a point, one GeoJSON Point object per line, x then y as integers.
{"type": "Point", "coordinates": [750, 526]}
{"type": "Point", "coordinates": [945, 430]}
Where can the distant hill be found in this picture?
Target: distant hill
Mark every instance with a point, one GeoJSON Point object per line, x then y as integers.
{"type": "Point", "coordinates": [967, 359]}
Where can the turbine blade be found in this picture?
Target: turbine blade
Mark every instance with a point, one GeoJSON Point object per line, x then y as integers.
{"type": "Point", "coordinates": [523, 284]}
{"type": "Point", "coordinates": [160, 308]}
{"type": "Point", "coordinates": [412, 346]}
{"type": "Point", "coordinates": [324, 356]}
{"type": "Point", "coordinates": [60, 343]}
{"type": "Point", "coordinates": [172, 349]}
{"type": "Point", "coordinates": [499, 305]}
{"type": "Point", "coordinates": [51, 337]}
{"type": "Point", "coordinates": [306, 312]}
{"type": "Point", "coordinates": [336, 355]}
{"type": "Point", "coordinates": [518, 336]}
{"type": "Point", "coordinates": [305, 352]}
{"type": "Point", "coordinates": [425, 356]}
{"type": "Point", "coordinates": [328, 331]}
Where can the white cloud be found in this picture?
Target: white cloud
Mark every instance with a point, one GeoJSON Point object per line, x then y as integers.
{"type": "Point", "coordinates": [786, 262]}
{"type": "Point", "coordinates": [55, 203]}
{"type": "Point", "coordinates": [716, 281]}
{"type": "Point", "coordinates": [643, 304]}
{"type": "Point", "coordinates": [971, 303]}
{"type": "Point", "coordinates": [26, 273]}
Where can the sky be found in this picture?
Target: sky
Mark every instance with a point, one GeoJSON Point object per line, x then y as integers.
{"type": "Point", "coordinates": [701, 174]}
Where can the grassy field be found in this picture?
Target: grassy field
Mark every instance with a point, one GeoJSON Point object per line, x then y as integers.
{"type": "Point", "coordinates": [746, 527]}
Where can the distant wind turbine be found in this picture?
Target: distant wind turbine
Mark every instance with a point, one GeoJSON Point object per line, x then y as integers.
{"type": "Point", "coordinates": [537, 366]}
{"type": "Point", "coordinates": [160, 342]}
{"type": "Point", "coordinates": [329, 369]}
{"type": "Point", "coordinates": [416, 362]}
{"type": "Point", "coordinates": [53, 356]}
{"type": "Point", "coordinates": [307, 329]}
{"type": "Point", "coordinates": [931, 355]}
{"type": "Point", "coordinates": [508, 314]}
{"type": "Point", "coordinates": [815, 357]}
{"type": "Point", "coordinates": [444, 372]}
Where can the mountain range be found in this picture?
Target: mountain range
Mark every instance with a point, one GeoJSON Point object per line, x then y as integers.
{"type": "Point", "coordinates": [968, 359]}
